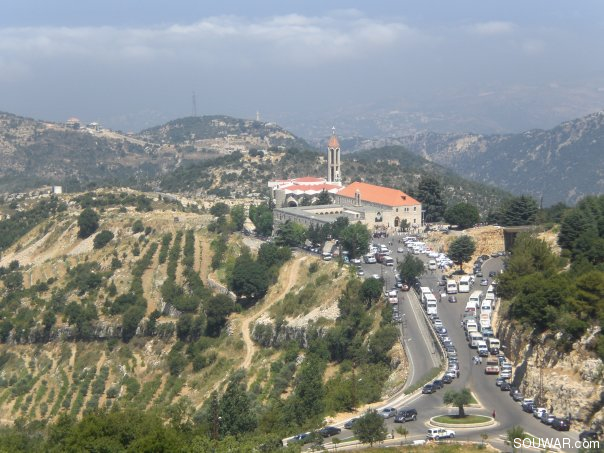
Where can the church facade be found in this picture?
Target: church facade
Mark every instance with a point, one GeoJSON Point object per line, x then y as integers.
{"type": "Point", "coordinates": [380, 208]}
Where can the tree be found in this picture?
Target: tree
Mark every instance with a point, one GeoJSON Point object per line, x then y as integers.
{"type": "Point", "coordinates": [308, 397]}
{"type": "Point", "coordinates": [371, 290]}
{"type": "Point", "coordinates": [461, 250]}
{"type": "Point", "coordinates": [355, 238]}
{"type": "Point", "coordinates": [370, 428]}
{"type": "Point", "coordinates": [403, 432]}
{"type": "Point", "coordinates": [236, 408]}
{"type": "Point", "coordinates": [249, 278]}
{"type": "Point", "coordinates": [262, 217]}
{"type": "Point", "coordinates": [238, 217]}
{"type": "Point", "coordinates": [138, 227]}
{"type": "Point", "coordinates": [102, 239]}
{"type": "Point", "coordinates": [219, 209]}
{"type": "Point", "coordinates": [464, 215]}
{"type": "Point", "coordinates": [130, 321]}
{"type": "Point", "coordinates": [515, 436]}
{"type": "Point", "coordinates": [323, 198]}
{"type": "Point", "coordinates": [520, 210]}
{"type": "Point", "coordinates": [217, 309]}
{"type": "Point", "coordinates": [410, 269]}
{"type": "Point", "coordinates": [291, 234]}
{"type": "Point", "coordinates": [88, 221]}
{"type": "Point", "coordinates": [458, 398]}
{"type": "Point", "coordinates": [429, 192]}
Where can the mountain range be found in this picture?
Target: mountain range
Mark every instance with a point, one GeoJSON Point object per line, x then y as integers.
{"type": "Point", "coordinates": [562, 164]}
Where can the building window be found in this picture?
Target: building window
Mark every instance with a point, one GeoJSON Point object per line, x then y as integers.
{"type": "Point", "coordinates": [415, 208]}
{"type": "Point", "coordinates": [378, 217]}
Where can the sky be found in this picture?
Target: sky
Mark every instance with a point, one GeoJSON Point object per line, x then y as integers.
{"type": "Point", "coordinates": [379, 67]}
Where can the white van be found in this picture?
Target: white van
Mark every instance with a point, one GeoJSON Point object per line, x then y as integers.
{"type": "Point", "coordinates": [464, 284]}
{"type": "Point", "coordinates": [451, 287]}
{"type": "Point", "coordinates": [432, 265]}
{"type": "Point", "coordinates": [476, 298]}
{"type": "Point", "coordinates": [481, 346]}
{"type": "Point", "coordinates": [327, 256]}
{"type": "Point", "coordinates": [431, 304]}
{"type": "Point", "coordinates": [473, 338]}
{"type": "Point", "coordinates": [486, 307]}
{"type": "Point", "coordinates": [471, 325]}
{"type": "Point", "coordinates": [494, 345]}
{"type": "Point", "coordinates": [491, 290]}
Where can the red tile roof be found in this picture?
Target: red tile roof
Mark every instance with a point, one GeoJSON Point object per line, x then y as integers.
{"type": "Point", "coordinates": [310, 188]}
{"type": "Point", "coordinates": [307, 179]}
{"type": "Point", "coordinates": [378, 194]}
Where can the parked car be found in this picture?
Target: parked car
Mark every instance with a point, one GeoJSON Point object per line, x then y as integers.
{"type": "Point", "coordinates": [539, 411]}
{"type": "Point", "coordinates": [478, 274]}
{"type": "Point", "coordinates": [484, 282]}
{"type": "Point", "coordinates": [405, 415]}
{"type": "Point", "coordinates": [588, 435]}
{"type": "Point", "coordinates": [500, 380]}
{"type": "Point", "coordinates": [547, 418]}
{"type": "Point", "coordinates": [493, 274]}
{"type": "Point", "coordinates": [527, 406]}
{"type": "Point", "coordinates": [387, 412]}
{"type": "Point", "coordinates": [505, 386]}
{"type": "Point", "coordinates": [328, 431]}
{"type": "Point", "coordinates": [452, 299]}
{"type": "Point", "coordinates": [440, 433]}
{"type": "Point", "coordinates": [447, 378]}
{"type": "Point", "coordinates": [517, 396]}
{"type": "Point", "coordinates": [360, 272]}
{"type": "Point", "coordinates": [350, 423]}
{"type": "Point", "coordinates": [428, 388]}
{"type": "Point", "coordinates": [561, 424]}
{"type": "Point", "coordinates": [438, 384]}
{"type": "Point", "coordinates": [302, 438]}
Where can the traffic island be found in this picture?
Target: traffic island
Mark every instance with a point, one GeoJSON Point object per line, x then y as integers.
{"type": "Point", "coordinates": [469, 421]}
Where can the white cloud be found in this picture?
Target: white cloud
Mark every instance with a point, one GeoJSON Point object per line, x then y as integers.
{"type": "Point", "coordinates": [492, 28]}
{"type": "Point", "coordinates": [294, 38]}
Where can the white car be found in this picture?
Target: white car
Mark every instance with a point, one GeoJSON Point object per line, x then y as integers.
{"type": "Point", "coordinates": [376, 276]}
{"type": "Point", "coordinates": [440, 433]}
{"type": "Point", "coordinates": [400, 250]}
{"type": "Point", "coordinates": [356, 261]}
{"type": "Point", "coordinates": [388, 412]}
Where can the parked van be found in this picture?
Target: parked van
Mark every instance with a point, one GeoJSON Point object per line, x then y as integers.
{"type": "Point", "coordinates": [471, 326]}
{"type": "Point", "coordinates": [470, 307]}
{"type": "Point", "coordinates": [473, 338]}
{"type": "Point", "coordinates": [491, 290]}
{"type": "Point", "coordinates": [476, 298]}
{"type": "Point", "coordinates": [432, 265]}
{"type": "Point", "coordinates": [464, 284]}
{"type": "Point", "coordinates": [451, 287]}
{"type": "Point", "coordinates": [388, 261]}
{"type": "Point", "coordinates": [431, 304]}
{"type": "Point", "coordinates": [486, 307]}
{"type": "Point", "coordinates": [493, 345]}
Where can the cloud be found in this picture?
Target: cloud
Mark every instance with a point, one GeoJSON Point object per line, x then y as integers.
{"type": "Point", "coordinates": [492, 28]}
{"type": "Point", "coordinates": [303, 40]}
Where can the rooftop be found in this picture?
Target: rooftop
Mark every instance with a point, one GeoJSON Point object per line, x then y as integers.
{"type": "Point", "coordinates": [378, 194]}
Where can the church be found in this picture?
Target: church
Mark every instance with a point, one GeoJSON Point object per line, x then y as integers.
{"type": "Point", "coordinates": [380, 208]}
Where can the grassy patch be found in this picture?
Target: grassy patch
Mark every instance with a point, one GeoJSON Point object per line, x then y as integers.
{"type": "Point", "coordinates": [456, 420]}
{"type": "Point", "coordinates": [428, 377]}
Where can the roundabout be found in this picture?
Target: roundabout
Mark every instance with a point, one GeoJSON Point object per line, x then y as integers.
{"type": "Point", "coordinates": [469, 421]}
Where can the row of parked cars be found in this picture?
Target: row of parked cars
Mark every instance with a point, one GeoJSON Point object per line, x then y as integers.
{"type": "Point", "coordinates": [452, 360]}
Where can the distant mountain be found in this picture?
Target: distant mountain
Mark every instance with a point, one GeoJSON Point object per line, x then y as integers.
{"type": "Point", "coordinates": [561, 164]}
{"type": "Point", "coordinates": [35, 153]}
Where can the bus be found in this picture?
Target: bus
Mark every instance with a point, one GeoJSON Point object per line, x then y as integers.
{"type": "Point", "coordinates": [473, 338]}
{"type": "Point", "coordinates": [451, 287]}
{"type": "Point", "coordinates": [491, 291]}
{"type": "Point", "coordinates": [464, 284]}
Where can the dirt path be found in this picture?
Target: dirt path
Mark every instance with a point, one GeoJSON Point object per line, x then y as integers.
{"type": "Point", "coordinates": [289, 275]}
{"type": "Point", "coordinates": [205, 254]}
{"type": "Point", "coordinates": [149, 290]}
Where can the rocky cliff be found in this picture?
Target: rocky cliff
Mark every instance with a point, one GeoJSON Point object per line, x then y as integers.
{"type": "Point", "coordinates": [565, 382]}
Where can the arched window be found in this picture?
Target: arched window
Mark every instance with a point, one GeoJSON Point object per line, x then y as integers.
{"type": "Point", "coordinates": [397, 221]}
{"type": "Point", "coordinates": [378, 217]}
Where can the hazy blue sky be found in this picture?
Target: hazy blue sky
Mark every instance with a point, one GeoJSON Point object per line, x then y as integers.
{"type": "Point", "coordinates": [130, 64]}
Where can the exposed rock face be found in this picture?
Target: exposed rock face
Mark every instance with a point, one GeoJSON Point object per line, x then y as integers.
{"type": "Point", "coordinates": [565, 382]}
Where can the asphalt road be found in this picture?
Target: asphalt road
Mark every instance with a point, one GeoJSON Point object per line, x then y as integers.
{"type": "Point", "coordinates": [423, 357]}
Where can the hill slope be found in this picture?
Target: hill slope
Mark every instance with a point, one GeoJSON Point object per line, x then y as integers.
{"type": "Point", "coordinates": [561, 164]}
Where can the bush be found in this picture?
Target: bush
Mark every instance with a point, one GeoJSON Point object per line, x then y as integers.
{"type": "Point", "coordinates": [88, 221]}
{"type": "Point", "coordinates": [138, 227]}
{"type": "Point", "coordinates": [102, 239]}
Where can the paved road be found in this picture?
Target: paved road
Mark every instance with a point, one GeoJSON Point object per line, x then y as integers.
{"type": "Point", "coordinates": [423, 358]}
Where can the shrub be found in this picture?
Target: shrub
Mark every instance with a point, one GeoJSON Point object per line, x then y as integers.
{"type": "Point", "coordinates": [102, 239]}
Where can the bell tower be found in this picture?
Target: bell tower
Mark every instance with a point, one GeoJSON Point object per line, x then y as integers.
{"type": "Point", "coordinates": [333, 159]}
